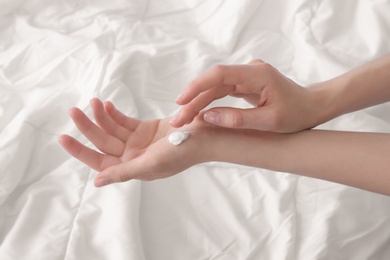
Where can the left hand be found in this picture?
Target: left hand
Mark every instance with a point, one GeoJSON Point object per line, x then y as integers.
{"type": "Point", "coordinates": [132, 149]}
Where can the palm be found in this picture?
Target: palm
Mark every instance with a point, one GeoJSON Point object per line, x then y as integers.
{"type": "Point", "coordinates": [125, 142]}
{"type": "Point", "coordinates": [143, 136]}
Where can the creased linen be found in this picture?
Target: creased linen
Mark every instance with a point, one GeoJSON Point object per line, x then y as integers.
{"type": "Point", "coordinates": [140, 55]}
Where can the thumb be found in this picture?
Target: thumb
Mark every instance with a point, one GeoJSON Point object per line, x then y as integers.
{"type": "Point", "coordinates": [120, 173]}
{"type": "Point", "coordinates": [234, 117]}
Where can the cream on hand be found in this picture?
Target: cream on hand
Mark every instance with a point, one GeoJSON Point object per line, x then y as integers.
{"type": "Point", "coordinates": [177, 138]}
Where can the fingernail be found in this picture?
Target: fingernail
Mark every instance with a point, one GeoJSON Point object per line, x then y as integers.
{"type": "Point", "coordinates": [100, 182]}
{"type": "Point", "coordinates": [71, 111]}
{"type": "Point", "coordinates": [212, 117]}
{"type": "Point", "coordinates": [174, 118]}
{"type": "Point", "coordinates": [93, 100]}
{"type": "Point", "coordinates": [179, 97]}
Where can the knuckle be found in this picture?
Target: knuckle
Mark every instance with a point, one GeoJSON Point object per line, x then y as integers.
{"type": "Point", "coordinates": [218, 69]}
{"type": "Point", "coordinates": [122, 176]}
{"type": "Point", "coordinates": [263, 67]}
{"type": "Point", "coordinates": [266, 70]}
{"type": "Point", "coordinates": [235, 119]}
{"type": "Point", "coordinates": [256, 61]}
{"type": "Point", "coordinates": [269, 70]}
{"type": "Point", "coordinates": [266, 67]}
{"type": "Point", "coordinates": [189, 110]}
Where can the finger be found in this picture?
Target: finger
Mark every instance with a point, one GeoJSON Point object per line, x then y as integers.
{"type": "Point", "coordinates": [86, 155]}
{"type": "Point", "coordinates": [104, 142]}
{"type": "Point", "coordinates": [253, 118]}
{"type": "Point", "coordinates": [127, 122]}
{"type": "Point", "coordinates": [121, 173]}
{"type": "Point", "coordinates": [256, 61]}
{"type": "Point", "coordinates": [192, 109]}
{"type": "Point", "coordinates": [106, 123]}
{"type": "Point", "coordinates": [214, 77]}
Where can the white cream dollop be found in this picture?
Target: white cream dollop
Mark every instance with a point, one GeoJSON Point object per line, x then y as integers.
{"type": "Point", "coordinates": [177, 138]}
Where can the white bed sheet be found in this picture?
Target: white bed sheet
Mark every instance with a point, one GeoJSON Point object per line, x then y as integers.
{"type": "Point", "coordinates": [140, 55]}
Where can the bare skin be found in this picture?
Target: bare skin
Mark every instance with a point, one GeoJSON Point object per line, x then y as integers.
{"type": "Point", "coordinates": [261, 137]}
{"type": "Point", "coordinates": [279, 104]}
{"type": "Point", "coordinates": [131, 149]}
{"type": "Point", "coordinates": [135, 149]}
{"type": "Point", "coordinates": [271, 94]}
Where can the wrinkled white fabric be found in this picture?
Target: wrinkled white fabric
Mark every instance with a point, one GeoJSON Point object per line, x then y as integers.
{"type": "Point", "coordinates": [140, 55]}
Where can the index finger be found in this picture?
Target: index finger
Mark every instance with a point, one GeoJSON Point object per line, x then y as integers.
{"type": "Point", "coordinates": [214, 77]}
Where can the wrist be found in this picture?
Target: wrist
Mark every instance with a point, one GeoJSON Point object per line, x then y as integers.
{"type": "Point", "coordinates": [201, 140]}
{"type": "Point", "coordinates": [239, 146]}
{"type": "Point", "coordinates": [324, 101]}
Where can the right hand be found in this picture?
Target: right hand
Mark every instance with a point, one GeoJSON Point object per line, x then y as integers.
{"type": "Point", "coordinates": [134, 149]}
{"type": "Point", "coordinates": [280, 105]}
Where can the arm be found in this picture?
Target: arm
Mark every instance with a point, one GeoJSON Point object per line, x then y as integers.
{"type": "Point", "coordinates": [278, 102]}
{"type": "Point", "coordinates": [134, 149]}
{"type": "Point", "coordinates": [355, 159]}
{"type": "Point", "coordinates": [362, 87]}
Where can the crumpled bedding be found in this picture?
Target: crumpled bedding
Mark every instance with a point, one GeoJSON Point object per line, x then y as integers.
{"type": "Point", "coordinates": [140, 55]}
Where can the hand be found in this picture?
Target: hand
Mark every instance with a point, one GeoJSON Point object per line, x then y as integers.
{"type": "Point", "coordinates": [132, 149]}
{"type": "Point", "coordinates": [280, 105]}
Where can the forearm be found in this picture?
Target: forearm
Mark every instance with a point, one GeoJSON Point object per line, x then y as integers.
{"type": "Point", "coordinates": [354, 159]}
{"type": "Point", "coordinates": [362, 87]}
